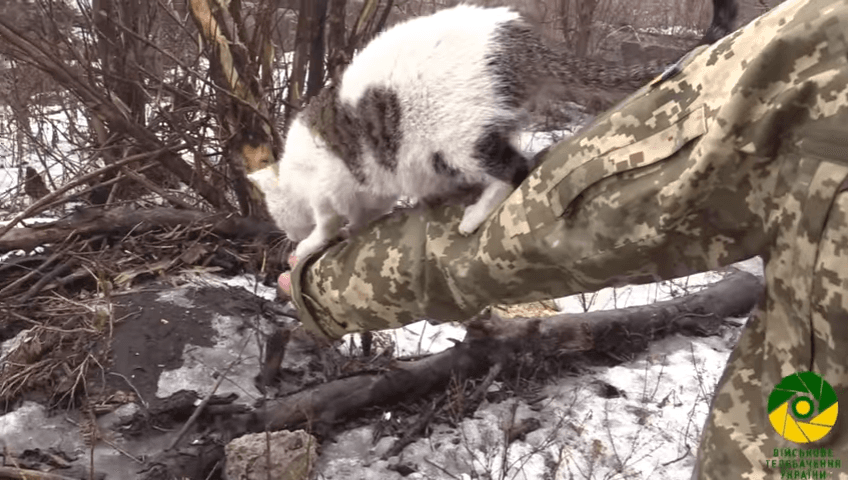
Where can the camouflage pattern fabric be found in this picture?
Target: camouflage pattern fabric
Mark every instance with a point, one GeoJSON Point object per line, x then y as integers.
{"type": "Point", "coordinates": [743, 153]}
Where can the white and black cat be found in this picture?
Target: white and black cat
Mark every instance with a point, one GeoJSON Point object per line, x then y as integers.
{"type": "Point", "coordinates": [428, 108]}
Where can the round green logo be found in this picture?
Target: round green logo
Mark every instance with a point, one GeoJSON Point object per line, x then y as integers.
{"type": "Point", "coordinates": [803, 407]}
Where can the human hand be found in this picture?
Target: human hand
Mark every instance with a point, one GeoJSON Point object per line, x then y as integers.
{"type": "Point", "coordinates": [284, 280]}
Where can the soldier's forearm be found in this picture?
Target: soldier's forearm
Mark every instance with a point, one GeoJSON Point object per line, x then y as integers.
{"type": "Point", "coordinates": [694, 173]}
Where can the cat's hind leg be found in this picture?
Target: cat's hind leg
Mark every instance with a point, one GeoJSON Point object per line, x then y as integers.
{"type": "Point", "coordinates": [493, 195]}
{"type": "Point", "coordinates": [508, 167]}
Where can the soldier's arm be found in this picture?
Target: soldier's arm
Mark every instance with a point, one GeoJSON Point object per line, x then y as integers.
{"type": "Point", "coordinates": [680, 178]}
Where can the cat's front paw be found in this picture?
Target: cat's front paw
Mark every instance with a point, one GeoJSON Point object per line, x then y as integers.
{"type": "Point", "coordinates": [471, 220]}
{"type": "Point", "coordinates": [308, 246]}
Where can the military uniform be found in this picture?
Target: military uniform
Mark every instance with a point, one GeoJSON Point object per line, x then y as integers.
{"type": "Point", "coordinates": [743, 153]}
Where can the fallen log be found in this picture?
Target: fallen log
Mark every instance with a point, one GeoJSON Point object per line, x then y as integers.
{"type": "Point", "coordinates": [121, 220]}
{"type": "Point", "coordinates": [15, 473]}
{"type": "Point", "coordinates": [618, 334]}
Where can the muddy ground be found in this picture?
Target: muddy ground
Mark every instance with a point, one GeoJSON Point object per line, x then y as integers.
{"type": "Point", "coordinates": [167, 340]}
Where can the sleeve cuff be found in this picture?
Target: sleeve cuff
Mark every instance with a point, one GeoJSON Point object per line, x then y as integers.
{"type": "Point", "coordinates": [304, 306]}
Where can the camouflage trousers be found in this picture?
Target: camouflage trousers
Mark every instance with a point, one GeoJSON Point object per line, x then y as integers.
{"type": "Point", "coordinates": [743, 153]}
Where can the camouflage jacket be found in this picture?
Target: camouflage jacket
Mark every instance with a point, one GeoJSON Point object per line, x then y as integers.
{"type": "Point", "coordinates": [743, 153]}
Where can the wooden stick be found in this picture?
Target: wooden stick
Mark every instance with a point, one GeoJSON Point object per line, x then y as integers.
{"type": "Point", "coordinates": [37, 206]}
{"type": "Point", "coordinates": [25, 474]}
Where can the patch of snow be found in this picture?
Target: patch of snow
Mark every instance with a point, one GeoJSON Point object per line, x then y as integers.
{"type": "Point", "coordinates": [20, 253]}
{"type": "Point", "coordinates": [31, 427]}
{"type": "Point", "coordinates": [753, 265]}
{"type": "Point", "coordinates": [415, 339]}
{"type": "Point", "coordinates": [534, 142]}
{"type": "Point", "coordinates": [176, 296]}
{"type": "Point", "coordinates": [247, 281]}
{"type": "Point", "coordinates": [121, 415]}
{"type": "Point", "coordinates": [30, 221]}
{"type": "Point", "coordinates": [8, 179]}
{"type": "Point", "coordinates": [651, 430]}
{"type": "Point", "coordinates": [675, 30]}
{"type": "Point", "coordinates": [10, 254]}
{"type": "Point", "coordinates": [11, 344]}
{"type": "Point", "coordinates": [253, 285]}
{"type": "Point", "coordinates": [18, 433]}
{"type": "Point", "coordinates": [423, 338]}
{"type": "Point", "coordinates": [201, 367]}
{"type": "Point", "coordinates": [633, 295]}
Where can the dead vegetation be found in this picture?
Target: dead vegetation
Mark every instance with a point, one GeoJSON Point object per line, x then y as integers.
{"type": "Point", "coordinates": [63, 293]}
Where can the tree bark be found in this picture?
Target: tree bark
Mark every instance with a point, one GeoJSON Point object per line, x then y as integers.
{"type": "Point", "coordinates": [241, 56]}
{"type": "Point", "coordinates": [297, 74]}
{"type": "Point", "coordinates": [585, 14]}
{"type": "Point", "coordinates": [318, 19]}
{"type": "Point", "coordinates": [336, 58]}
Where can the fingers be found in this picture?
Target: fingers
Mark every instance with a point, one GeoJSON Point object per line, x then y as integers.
{"type": "Point", "coordinates": [284, 280]}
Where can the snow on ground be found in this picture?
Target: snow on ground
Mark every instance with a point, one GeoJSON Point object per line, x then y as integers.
{"type": "Point", "coordinates": [534, 142]}
{"type": "Point", "coordinates": [673, 31]}
{"type": "Point", "coordinates": [638, 420]}
{"type": "Point", "coordinates": [612, 298]}
{"type": "Point", "coordinates": [19, 253]}
{"type": "Point", "coordinates": [422, 337]}
{"type": "Point", "coordinates": [248, 281]}
{"type": "Point", "coordinates": [30, 221]}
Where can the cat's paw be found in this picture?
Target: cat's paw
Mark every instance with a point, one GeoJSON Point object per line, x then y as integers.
{"type": "Point", "coordinates": [309, 246]}
{"type": "Point", "coordinates": [471, 220]}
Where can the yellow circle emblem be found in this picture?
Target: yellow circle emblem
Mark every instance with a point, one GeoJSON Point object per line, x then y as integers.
{"type": "Point", "coordinates": [803, 407]}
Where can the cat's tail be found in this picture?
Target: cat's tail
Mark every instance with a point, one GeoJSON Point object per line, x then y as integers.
{"type": "Point", "coordinates": [568, 68]}
{"type": "Point", "coordinates": [724, 18]}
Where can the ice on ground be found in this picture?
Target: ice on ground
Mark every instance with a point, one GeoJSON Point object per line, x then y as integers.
{"type": "Point", "coordinates": [201, 363]}
{"type": "Point", "coordinates": [17, 432]}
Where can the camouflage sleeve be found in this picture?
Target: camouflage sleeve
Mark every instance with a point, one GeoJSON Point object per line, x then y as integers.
{"type": "Point", "coordinates": [698, 171]}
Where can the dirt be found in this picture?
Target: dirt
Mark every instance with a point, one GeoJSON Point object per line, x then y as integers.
{"type": "Point", "coordinates": [166, 339]}
{"type": "Point", "coordinates": [154, 334]}
{"type": "Point", "coordinates": [161, 320]}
